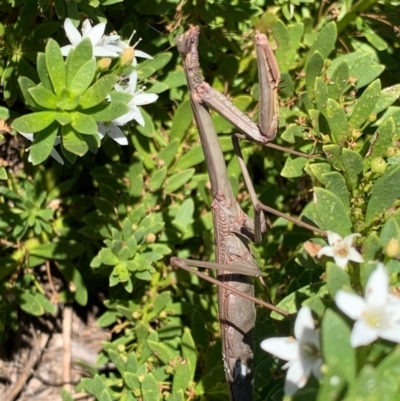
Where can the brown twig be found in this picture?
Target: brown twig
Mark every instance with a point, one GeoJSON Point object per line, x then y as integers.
{"type": "Point", "coordinates": [28, 369]}
{"type": "Point", "coordinates": [67, 332]}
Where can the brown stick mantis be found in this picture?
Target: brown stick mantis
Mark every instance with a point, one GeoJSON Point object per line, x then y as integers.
{"type": "Point", "coordinates": [233, 228]}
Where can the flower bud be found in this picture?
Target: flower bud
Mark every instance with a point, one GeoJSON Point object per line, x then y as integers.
{"type": "Point", "coordinates": [378, 165]}
{"type": "Point", "coordinates": [104, 64]}
{"type": "Point", "coordinates": [358, 201]}
{"type": "Point", "coordinates": [127, 57]}
{"type": "Point", "coordinates": [392, 248]}
{"type": "Point", "coordinates": [391, 151]}
{"type": "Point", "coordinates": [359, 226]}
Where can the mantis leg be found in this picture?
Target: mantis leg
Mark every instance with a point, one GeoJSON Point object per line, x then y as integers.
{"type": "Point", "coordinates": [258, 206]}
{"type": "Point", "coordinates": [188, 264]}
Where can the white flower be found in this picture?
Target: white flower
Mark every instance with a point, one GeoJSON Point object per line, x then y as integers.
{"type": "Point", "coordinates": [113, 131]}
{"type": "Point", "coordinates": [301, 352]}
{"type": "Point", "coordinates": [376, 315]}
{"type": "Point", "coordinates": [101, 47]}
{"type": "Point", "coordinates": [138, 53]}
{"type": "Point", "coordinates": [340, 249]}
{"type": "Point", "coordinates": [139, 99]}
{"type": "Point", "coordinates": [54, 154]}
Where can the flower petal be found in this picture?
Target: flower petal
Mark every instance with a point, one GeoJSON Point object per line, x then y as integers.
{"type": "Point", "coordinates": [377, 287]}
{"type": "Point", "coordinates": [86, 27]}
{"type": "Point", "coordinates": [354, 255]}
{"type": "Point", "coordinates": [362, 334]}
{"type": "Point", "coordinates": [56, 156]}
{"type": "Point", "coordinates": [303, 321]}
{"type": "Point", "coordinates": [348, 239]}
{"type": "Point", "coordinates": [296, 377]}
{"type": "Point", "coordinates": [326, 250]}
{"type": "Point", "coordinates": [66, 49]}
{"type": "Point", "coordinates": [333, 237]}
{"type": "Point", "coordinates": [72, 33]}
{"type": "Point", "coordinates": [100, 51]}
{"type": "Point", "coordinates": [115, 133]}
{"type": "Point", "coordinates": [96, 33]}
{"type": "Point", "coordinates": [139, 53]}
{"type": "Point", "coordinates": [131, 87]}
{"type": "Point", "coordinates": [391, 333]}
{"type": "Point", "coordinates": [316, 368]}
{"type": "Point", "coordinates": [351, 304]}
{"type": "Point", "coordinates": [28, 136]}
{"type": "Point", "coordinates": [286, 348]}
{"type": "Point", "coordinates": [145, 98]}
{"type": "Point", "coordinates": [341, 261]}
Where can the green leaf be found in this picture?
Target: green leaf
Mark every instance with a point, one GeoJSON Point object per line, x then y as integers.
{"type": "Point", "coordinates": [390, 230]}
{"type": "Point", "coordinates": [148, 130]}
{"type": "Point", "coordinates": [55, 66]}
{"type": "Point", "coordinates": [294, 167]}
{"type": "Point", "coordinates": [160, 61]}
{"type": "Point", "coordinates": [83, 123]}
{"type": "Point", "coordinates": [150, 389]}
{"type": "Point", "coordinates": [313, 70]}
{"type": "Point", "coordinates": [175, 79]}
{"type": "Point", "coordinates": [352, 163]}
{"type": "Point", "coordinates": [98, 91]}
{"type": "Point", "coordinates": [191, 158]}
{"type": "Point", "coordinates": [184, 216]}
{"type": "Point", "coordinates": [365, 105]}
{"type": "Point", "coordinates": [83, 77]}
{"type": "Point", "coordinates": [25, 84]}
{"type": "Point", "coordinates": [59, 250]}
{"type": "Point", "coordinates": [28, 303]}
{"type": "Point", "coordinates": [105, 396]}
{"type": "Point", "coordinates": [384, 192]}
{"type": "Point", "coordinates": [177, 180]}
{"type": "Point", "coordinates": [334, 182]}
{"type": "Point", "coordinates": [43, 144]}
{"type": "Point", "coordinates": [367, 387]}
{"type": "Point", "coordinates": [34, 122]}
{"type": "Point", "coordinates": [337, 120]}
{"type": "Point", "coordinates": [337, 219]}
{"type": "Point", "coordinates": [44, 97]}
{"type": "Point", "coordinates": [64, 117]}
{"type": "Point", "coordinates": [118, 361]}
{"type": "Point", "coordinates": [291, 132]}
{"type": "Point", "coordinates": [387, 97]}
{"type": "Point", "coordinates": [382, 139]}
{"type": "Point", "coordinates": [325, 40]}
{"type": "Point", "coordinates": [75, 281]}
{"type": "Point", "coordinates": [182, 376]}
{"type": "Point", "coordinates": [73, 142]}
{"type": "Point", "coordinates": [372, 248]}
{"type": "Point", "coordinates": [43, 73]}
{"type": "Point", "coordinates": [339, 80]}
{"type": "Point", "coordinates": [107, 257]}
{"type": "Point", "coordinates": [77, 58]}
{"type": "Point", "coordinates": [189, 350]}
{"type": "Point", "coordinates": [321, 93]}
{"type": "Point", "coordinates": [168, 154]}
{"type": "Point", "coordinates": [106, 112]}
{"type": "Point", "coordinates": [160, 350]}
{"type": "Point", "coordinates": [336, 346]}
{"type": "Point", "coordinates": [388, 373]}
{"type": "Point", "coordinates": [66, 396]}
{"type": "Point", "coordinates": [131, 380]}
{"type": "Point", "coordinates": [337, 278]}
